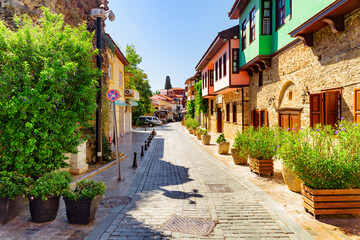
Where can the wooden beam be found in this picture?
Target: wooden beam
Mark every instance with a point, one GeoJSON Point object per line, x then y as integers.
{"type": "Point", "coordinates": [307, 39]}
{"type": "Point", "coordinates": [255, 68]}
{"type": "Point", "coordinates": [261, 65]}
{"type": "Point", "coordinates": [337, 23]}
{"type": "Point", "coordinates": [249, 71]}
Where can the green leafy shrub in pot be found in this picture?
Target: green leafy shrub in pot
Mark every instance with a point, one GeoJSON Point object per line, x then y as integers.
{"type": "Point", "coordinates": [85, 189]}
{"type": "Point", "coordinates": [241, 142]}
{"type": "Point", "coordinates": [325, 157]}
{"type": "Point", "coordinates": [221, 139]}
{"type": "Point", "coordinates": [262, 142]}
{"type": "Point", "coordinates": [12, 185]}
{"type": "Point", "coordinates": [204, 132]}
{"type": "Point", "coordinates": [199, 130]}
{"type": "Point", "coordinates": [53, 183]}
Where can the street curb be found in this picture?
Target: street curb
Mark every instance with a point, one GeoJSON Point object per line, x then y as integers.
{"type": "Point", "coordinates": [96, 172]}
{"type": "Point", "coordinates": [269, 204]}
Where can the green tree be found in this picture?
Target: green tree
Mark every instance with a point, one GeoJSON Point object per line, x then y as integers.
{"type": "Point", "coordinates": [136, 78]}
{"type": "Point", "coordinates": [156, 92]}
{"type": "Point", "coordinates": [47, 93]}
{"type": "Point", "coordinates": [168, 83]}
{"type": "Point", "coordinates": [191, 109]}
{"type": "Point", "coordinates": [201, 104]}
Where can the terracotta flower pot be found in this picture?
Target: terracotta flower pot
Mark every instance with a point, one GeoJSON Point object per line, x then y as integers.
{"type": "Point", "coordinates": [194, 132]}
{"type": "Point", "coordinates": [224, 148]}
{"type": "Point", "coordinates": [198, 135]}
{"type": "Point", "coordinates": [82, 211]}
{"type": "Point", "coordinates": [292, 181]}
{"type": "Point", "coordinates": [205, 139]}
{"type": "Point", "coordinates": [238, 159]}
{"type": "Point", "coordinates": [9, 209]}
{"type": "Point", "coordinates": [44, 211]}
{"type": "Point", "coordinates": [190, 130]}
{"type": "Point", "coordinates": [182, 123]}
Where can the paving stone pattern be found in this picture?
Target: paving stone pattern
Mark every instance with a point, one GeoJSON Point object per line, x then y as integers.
{"type": "Point", "coordinates": [175, 182]}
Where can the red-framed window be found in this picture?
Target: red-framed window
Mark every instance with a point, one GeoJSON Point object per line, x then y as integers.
{"type": "Point", "coordinates": [224, 64]}
{"type": "Point", "coordinates": [235, 60]}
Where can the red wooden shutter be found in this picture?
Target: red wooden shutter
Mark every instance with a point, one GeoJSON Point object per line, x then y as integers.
{"type": "Point", "coordinates": [357, 106]}
{"type": "Point", "coordinates": [331, 107]}
{"type": "Point", "coordinates": [266, 118]}
{"type": "Point", "coordinates": [315, 109]}
{"type": "Point", "coordinates": [253, 118]}
{"type": "Point", "coordinates": [284, 121]}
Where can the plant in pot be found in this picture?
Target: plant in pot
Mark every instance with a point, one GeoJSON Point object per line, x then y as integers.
{"type": "Point", "coordinates": [262, 147]}
{"type": "Point", "coordinates": [12, 187]}
{"type": "Point", "coordinates": [188, 124]}
{"type": "Point", "coordinates": [238, 150]}
{"type": "Point", "coordinates": [205, 137]}
{"type": "Point", "coordinates": [288, 140]}
{"type": "Point", "coordinates": [224, 145]}
{"type": "Point", "coordinates": [195, 125]}
{"type": "Point", "coordinates": [327, 159]}
{"type": "Point", "coordinates": [199, 133]}
{"type": "Point", "coordinates": [44, 195]}
{"type": "Point", "coordinates": [82, 201]}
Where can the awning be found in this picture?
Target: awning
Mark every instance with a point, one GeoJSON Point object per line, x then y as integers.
{"type": "Point", "coordinates": [120, 103]}
{"type": "Point", "coordinates": [133, 103]}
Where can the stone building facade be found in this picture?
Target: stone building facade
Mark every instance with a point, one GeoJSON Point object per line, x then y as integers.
{"type": "Point", "coordinates": [331, 64]}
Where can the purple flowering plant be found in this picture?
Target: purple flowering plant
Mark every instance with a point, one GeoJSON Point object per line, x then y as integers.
{"type": "Point", "coordinates": [324, 157]}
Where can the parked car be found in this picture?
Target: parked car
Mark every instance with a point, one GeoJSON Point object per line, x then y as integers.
{"type": "Point", "coordinates": [145, 120]}
{"type": "Point", "coordinates": [155, 119]}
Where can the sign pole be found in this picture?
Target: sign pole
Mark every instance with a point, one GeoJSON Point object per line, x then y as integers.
{"type": "Point", "coordinates": [116, 142]}
{"type": "Point", "coordinates": [113, 95]}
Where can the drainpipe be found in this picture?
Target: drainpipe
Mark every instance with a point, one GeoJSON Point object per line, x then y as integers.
{"type": "Point", "coordinates": [242, 107]}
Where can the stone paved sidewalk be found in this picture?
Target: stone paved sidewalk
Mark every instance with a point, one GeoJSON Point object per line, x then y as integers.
{"type": "Point", "coordinates": [22, 227]}
{"type": "Point", "coordinates": [176, 179]}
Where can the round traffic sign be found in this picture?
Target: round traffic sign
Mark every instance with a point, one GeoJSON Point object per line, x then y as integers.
{"type": "Point", "coordinates": [113, 94]}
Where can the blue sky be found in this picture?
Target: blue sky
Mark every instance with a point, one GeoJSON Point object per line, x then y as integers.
{"type": "Point", "coordinates": [171, 36]}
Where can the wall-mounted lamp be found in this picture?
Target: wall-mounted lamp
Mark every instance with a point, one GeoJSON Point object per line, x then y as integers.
{"type": "Point", "coordinates": [271, 100]}
{"type": "Point", "coordinates": [237, 91]}
{"type": "Point", "coordinates": [305, 95]}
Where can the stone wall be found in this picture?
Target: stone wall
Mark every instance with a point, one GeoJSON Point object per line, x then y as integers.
{"type": "Point", "coordinates": [230, 128]}
{"type": "Point", "coordinates": [333, 62]}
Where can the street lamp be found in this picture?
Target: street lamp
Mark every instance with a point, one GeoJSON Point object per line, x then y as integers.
{"type": "Point", "coordinates": [99, 14]}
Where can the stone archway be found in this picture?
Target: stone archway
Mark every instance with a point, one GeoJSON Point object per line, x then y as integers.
{"type": "Point", "coordinates": [286, 95]}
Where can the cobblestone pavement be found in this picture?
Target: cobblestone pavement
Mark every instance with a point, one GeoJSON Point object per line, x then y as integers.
{"type": "Point", "coordinates": [177, 177]}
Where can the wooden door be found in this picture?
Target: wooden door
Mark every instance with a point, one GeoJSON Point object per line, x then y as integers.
{"type": "Point", "coordinates": [315, 109]}
{"type": "Point", "coordinates": [331, 107]}
{"type": "Point", "coordinates": [219, 120]}
{"type": "Point", "coordinates": [294, 121]}
{"type": "Point", "coordinates": [284, 121]}
{"type": "Point", "coordinates": [357, 106]}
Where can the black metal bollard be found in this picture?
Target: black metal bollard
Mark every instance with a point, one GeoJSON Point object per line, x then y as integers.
{"type": "Point", "coordinates": [135, 161]}
{"type": "Point", "coordinates": [145, 145]}
{"type": "Point", "coordinates": [142, 151]}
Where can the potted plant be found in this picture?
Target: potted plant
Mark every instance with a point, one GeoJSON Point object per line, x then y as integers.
{"type": "Point", "coordinates": [12, 187]}
{"type": "Point", "coordinates": [188, 124]}
{"type": "Point", "coordinates": [82, 202]}
{"type": "Point", "coordinates": [224, 145]}
{"type": "Point", "coordinates": [205, 137]}
{"type": "Point", "coordinates": [199, 133]}
{"type": "Point", "coordinates": [288, 138]}
{"type": "Point", "coordinates": [262, 147]}
{"type": "Point", "coordinates": [44, 195]}
{"type": "Point", "coordinates": [327, 159]}
{"type": "Point", "coordinates": [238, 152]}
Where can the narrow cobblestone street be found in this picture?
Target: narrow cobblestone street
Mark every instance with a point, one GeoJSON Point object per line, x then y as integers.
{"type": "Point", "coordinates": [179, 178]}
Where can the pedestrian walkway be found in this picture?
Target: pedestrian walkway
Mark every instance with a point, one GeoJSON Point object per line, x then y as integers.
{"type": "Point", "coordinates": [22, 227]}
{"type": "Point", "coordinates": [179, 178]}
